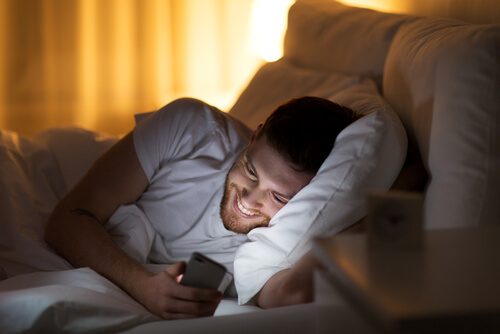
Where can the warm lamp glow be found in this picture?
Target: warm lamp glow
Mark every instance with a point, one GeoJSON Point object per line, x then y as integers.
{"type": "Point", "coordinates": [95, 63]}
{"type": "Point", "coordinates": [268, 24]}
{"type": "Point", "coordinates": [382, 5]}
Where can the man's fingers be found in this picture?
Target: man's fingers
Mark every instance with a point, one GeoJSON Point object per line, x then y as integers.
{"type": "Point", "coordinates": [189, 293]}
{"type": "Point", "coordinates": [176, 269]}
{"type": "Point", "coordinates": [172, 300]}
{"type": "Point", "coordinates": [178, 308]}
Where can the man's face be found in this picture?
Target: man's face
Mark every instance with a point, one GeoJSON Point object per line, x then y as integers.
{"type": "Point", "coordinates": [259, 184]}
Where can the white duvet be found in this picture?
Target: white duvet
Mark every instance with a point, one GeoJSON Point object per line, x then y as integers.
{"type": "Point", "coordinates": [39, 290]}
{"type": "Point", "coordinates": [75, 301]}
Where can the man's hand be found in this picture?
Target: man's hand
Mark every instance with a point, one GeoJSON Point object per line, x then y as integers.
{"type": "Point", "coordinates": [164, 296]}
{"type": "Point", "coordinates": [290, 286]}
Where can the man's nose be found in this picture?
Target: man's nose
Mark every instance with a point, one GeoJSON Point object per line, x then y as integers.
{"type": "Point", "coordinates": [252, 198]}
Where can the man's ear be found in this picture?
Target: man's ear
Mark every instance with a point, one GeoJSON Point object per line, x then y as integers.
{"type": "Point", "coordinates": [254, 132]}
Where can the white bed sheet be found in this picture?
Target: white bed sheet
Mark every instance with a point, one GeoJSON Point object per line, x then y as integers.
{"type": "Point", "coordinates": [77, 301]}
{"type": "Point", "coordinates": [39, 290]}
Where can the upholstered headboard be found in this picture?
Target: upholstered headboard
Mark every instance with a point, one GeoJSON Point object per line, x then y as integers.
{"type": "Point", "coordinates": [441, 76]}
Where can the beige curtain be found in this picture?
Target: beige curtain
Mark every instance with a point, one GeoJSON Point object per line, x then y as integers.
{"type": "Point", "coordinates": [94, 63]}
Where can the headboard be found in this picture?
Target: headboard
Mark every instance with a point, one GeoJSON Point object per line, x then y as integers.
{"type": "Point", "coordinates": [441, 76]}
{"type": "Point", "coordinates": [483, 11]}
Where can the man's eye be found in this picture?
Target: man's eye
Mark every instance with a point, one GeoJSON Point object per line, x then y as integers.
{"type": "Point", "coordinates": [250, 171]}
{"type": "Point", "coordinates": [280, 200]}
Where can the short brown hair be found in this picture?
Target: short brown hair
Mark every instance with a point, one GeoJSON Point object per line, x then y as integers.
{"type": "Point", "coordinates": [303, 130]}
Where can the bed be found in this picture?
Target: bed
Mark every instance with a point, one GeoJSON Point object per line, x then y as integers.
{"type": "Point", "coordinates": [429, 89]}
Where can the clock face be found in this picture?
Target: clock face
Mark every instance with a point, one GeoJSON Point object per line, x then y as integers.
{"type": "Point", "coordinates": [395, 220]}
{"type": "Point", "coordinates": [390, 221]}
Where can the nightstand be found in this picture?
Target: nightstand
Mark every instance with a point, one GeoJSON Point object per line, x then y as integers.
{"type": "Point", "coordinates": [451, 284]}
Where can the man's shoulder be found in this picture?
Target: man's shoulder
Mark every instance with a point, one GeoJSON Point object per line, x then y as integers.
{"type": "Point", "coordinates": [188, 107]}
{"type": "Point", "coordinates": [199, 116]}
{"type": "Point", "coordinates": [190, 113]}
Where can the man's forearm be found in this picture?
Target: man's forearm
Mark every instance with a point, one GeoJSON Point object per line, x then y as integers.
{"type": "Point", "coordinates": [75, 226]}
{"type": "Point", "coordinates": [83, 241]}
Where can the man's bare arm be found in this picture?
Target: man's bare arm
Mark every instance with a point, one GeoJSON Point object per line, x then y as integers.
{"type": "Point", "coordinates": [75, 230]}
{"type": "Point", "coordinates": [290, 286]}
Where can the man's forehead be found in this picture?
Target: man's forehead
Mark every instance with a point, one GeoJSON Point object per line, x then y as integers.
{"type": "Point", "coordinates": [272, 166]}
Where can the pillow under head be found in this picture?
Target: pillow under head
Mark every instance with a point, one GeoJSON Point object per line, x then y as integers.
{"type": "Point", "coordinates": [367, 156]}
{"type": "Point", "coordinates": [277, 82]}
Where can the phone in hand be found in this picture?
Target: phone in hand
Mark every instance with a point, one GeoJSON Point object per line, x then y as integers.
{"type": "Point", "coordinates": [203, 272]}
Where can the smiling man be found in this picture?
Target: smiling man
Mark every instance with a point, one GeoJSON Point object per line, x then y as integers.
{"type": "Point", "coordinates": [202, 180]}
{"type": "Point", "coordinates": [258, 185]}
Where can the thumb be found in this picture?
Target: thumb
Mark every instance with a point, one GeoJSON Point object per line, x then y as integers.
{"type": "Point", "coordinates": [176, 269]}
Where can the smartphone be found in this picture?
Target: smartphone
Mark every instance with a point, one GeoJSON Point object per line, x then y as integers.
{"type": "Point", "coordinates": [203, 272]}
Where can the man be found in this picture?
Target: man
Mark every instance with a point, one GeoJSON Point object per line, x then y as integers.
{"type": "Point", "coordinates": [191, 170]}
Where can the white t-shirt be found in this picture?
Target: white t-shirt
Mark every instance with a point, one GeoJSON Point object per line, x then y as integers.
{"type": "Point", "coordinates": [186, 150]}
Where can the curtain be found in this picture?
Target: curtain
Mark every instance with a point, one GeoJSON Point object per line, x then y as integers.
{"type": "Point", "coordinates": [95, 63]}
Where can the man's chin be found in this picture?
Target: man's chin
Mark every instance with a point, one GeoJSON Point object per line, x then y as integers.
{"type": "Point", "coordinates": [234, 224]}
{"type": "Point", "coordinates": [231, 224]}
{"type": "Point", "coordinates": [231, 220]}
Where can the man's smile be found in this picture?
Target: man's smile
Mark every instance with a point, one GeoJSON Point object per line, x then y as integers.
{"type": "Point", "coordinates": [242, 211]}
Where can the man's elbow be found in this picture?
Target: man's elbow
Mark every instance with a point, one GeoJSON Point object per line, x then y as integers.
{"type": "Point", "coordinates": [295, 297]}
{"type": "Point", "coordinates": [54, 230]}
{"type": "Point", "coordinates": [284, 299]}
{"type": "Point", "coordinates": [51, 234]}
{"type": "Point", "coordinates": [277, 295]}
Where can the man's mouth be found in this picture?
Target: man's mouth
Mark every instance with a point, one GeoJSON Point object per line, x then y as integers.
{"type": "Point", "coordinates": [242, 210]}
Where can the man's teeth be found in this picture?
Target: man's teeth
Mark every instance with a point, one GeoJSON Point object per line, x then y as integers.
{"type": "Point", "coordinates": [245, 211]}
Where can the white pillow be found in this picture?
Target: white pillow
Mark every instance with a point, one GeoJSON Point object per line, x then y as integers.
{"type": "Point", "coordinates": [280, 81]}
{"type": "Point", "coordinates": [446, 90]}
{"type": "Point", "coordinates": [31, 184]}
{"type": "Point", "coordinates": [368, 155]}
{"type": "Point", "coordinates": [75, 149]}
{"type": "Point", "coordinates": [35, 174]}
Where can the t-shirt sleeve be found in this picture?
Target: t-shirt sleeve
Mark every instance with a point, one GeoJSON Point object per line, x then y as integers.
{"type": "Point", "coordinates": [173, 132]}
